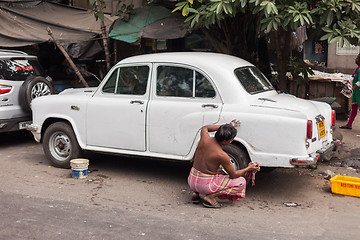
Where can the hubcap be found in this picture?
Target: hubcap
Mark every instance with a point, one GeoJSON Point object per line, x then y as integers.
{"type": "Point", "coordinates": [40, 89]}
{"type": "Point", "coordinates": [60, 146]}
{"type": "Point", "coordinates": [234, 163]}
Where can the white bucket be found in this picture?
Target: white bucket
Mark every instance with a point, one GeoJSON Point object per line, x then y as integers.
{"type": "Point", "coordinates": [79, 167]}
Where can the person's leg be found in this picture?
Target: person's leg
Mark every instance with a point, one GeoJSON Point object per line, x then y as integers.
{"type": "Point", "coordinates": [354, 110]}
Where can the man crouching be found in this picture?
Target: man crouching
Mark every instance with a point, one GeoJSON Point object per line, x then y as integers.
{"type": "Point", "coordinates": [204, 177]}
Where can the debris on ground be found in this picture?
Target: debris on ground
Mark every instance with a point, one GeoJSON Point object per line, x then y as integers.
{"type": "Point", "coordinates": [291, 204]}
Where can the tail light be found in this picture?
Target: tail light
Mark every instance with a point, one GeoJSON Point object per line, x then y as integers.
{"type": "Point", "coordinates": [5, 89]}
{"type": "Point", "coordinates": [309, 129]}
{"type": "Point", "coordinates": [333, 118]}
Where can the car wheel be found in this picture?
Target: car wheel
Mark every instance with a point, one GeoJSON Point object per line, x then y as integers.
{"type": "Point", "coordinates": [238, 156]}
{"type": "Point", "coordinates": [34, 87]}
{"type": "Point", "coordinates": [60, 144]}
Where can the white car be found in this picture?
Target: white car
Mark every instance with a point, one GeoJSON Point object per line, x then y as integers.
{"type": "Point", "coordinates": [155, 105]}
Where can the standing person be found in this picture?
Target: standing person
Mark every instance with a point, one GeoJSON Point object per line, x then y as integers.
{"type": "Point", "coordinates": [355, 95]}
{"type": "Point", "coordinates": [204, 177]}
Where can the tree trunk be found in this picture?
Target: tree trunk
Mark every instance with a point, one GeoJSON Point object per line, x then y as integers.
{"type": "Point", "coordinates": [105, 40]}
{"type": "Point", "coordinates": [282, 44]}
{"type": "Point", "coordinates": [58, 44]}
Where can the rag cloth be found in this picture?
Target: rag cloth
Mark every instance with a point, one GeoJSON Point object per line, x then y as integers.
{"type": "Point", "coordinates": [232, 189]}
{"type": "Point", "coordinates": [251, 175]}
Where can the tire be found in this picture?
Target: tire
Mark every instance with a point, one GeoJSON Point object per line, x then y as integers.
{"type": "Point", "coordinates": [33, 87]}
{"type": "Point", "coordinates": [60, 144]}
{"type": "Point", "coordinates": [238, 156]}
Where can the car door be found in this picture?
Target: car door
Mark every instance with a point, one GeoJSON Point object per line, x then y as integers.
{"type": "Point", "coordinates": [183, 101]}
{"type": "Point", "coordinates": [116, 113]}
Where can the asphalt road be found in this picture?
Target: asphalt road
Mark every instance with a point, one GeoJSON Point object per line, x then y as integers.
{"type": "Point", "coordinates": [126, 198]}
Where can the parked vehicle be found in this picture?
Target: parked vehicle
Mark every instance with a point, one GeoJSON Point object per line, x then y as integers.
{"type": "Point", "coordinates": [21, 80]}
{"type": "Point", "coordinates": [155, 105]}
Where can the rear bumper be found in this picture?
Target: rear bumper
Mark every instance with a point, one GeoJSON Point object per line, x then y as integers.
{"type": "Point", "coordinates": [325, 153]}
{"type": "Point", "coordinates": [8, 125]}
{"type": "Point", "coordinates": [328, 152]}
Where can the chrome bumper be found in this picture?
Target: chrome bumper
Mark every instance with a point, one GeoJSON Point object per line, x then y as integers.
{"type": "Point", "coordinates": [326, 153]}
{"type": "Point", "coordinates": [31, 128]}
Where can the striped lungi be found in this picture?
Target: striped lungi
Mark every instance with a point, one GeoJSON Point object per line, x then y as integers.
{"type": "Point", "coordinates": [233, 189]}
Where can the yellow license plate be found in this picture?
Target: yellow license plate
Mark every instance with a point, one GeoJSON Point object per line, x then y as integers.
{"type": "Point", "coordinates": [321, 128]}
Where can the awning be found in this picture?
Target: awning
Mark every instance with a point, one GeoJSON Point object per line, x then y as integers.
{"type": "Point", "coordinates": [150, 22]}
{"type": "Point", "coordinates": [25, 22]}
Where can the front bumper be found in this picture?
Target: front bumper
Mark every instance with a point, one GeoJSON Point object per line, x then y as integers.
{"type": "Point", "coordinates": [34, 129]}
{"type": "Point", "coordinates": [325, 153]}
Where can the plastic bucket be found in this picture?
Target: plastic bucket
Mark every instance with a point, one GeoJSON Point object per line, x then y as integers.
{"type": "Point", "coordinates": [79, 167]}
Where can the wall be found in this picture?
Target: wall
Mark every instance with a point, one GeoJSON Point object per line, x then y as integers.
{"type": "Point", "coordinates": [341, 63]}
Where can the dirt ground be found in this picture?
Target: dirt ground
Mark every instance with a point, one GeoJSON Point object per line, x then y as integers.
{"type": "Point", "coordinates": [284, 204]}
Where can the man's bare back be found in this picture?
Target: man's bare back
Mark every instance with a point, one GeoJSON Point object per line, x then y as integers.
{"type": "Point", "coordinates": [210, 155]}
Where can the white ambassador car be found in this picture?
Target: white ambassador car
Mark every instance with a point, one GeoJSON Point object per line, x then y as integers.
{"type": "Point", "coordinates": [154, 106]}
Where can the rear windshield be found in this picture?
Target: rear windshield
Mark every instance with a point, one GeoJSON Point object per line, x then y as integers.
{"type": "Point", "coordinates": [19, 70]}
{"type": "Point", "coordinates": [253, 80]}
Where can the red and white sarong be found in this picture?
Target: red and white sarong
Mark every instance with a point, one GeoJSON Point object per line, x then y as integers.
{"type": "Point", "coordinates": [233, 189]}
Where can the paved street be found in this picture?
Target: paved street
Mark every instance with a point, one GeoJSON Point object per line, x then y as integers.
{"type": "Point", "coordinates": [125, 198]}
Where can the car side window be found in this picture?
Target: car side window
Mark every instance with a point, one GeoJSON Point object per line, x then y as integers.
{"type": "Point", "coordinates": [132, 80]}
{"type": "Point", "coordinates": [179, 82]}
{"type": "Point", "coordinates": [203, 87]}
{"type": "Point", "coordinates": [128, 80]}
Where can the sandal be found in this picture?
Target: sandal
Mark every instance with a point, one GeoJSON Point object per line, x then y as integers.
{"type": "Point", "coordinates": [195, 199]}
{"type": "Point", "coordinates": [346, 127]}
{"type": "Point", "coordinates": [209, 205]}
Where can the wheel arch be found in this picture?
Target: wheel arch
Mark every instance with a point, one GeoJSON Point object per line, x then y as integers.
{"type": "Point", "coordinates": [241, 146]}
{"type": "Point", "coordinates": [52, 120]}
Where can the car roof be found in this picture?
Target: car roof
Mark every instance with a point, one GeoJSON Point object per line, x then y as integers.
{"type": "Point", "coordinates": [5, 53]}
{"type": "Point", "coordinates": [204, 60]}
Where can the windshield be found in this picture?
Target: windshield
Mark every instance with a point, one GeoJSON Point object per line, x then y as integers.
{"type": "Point", "coordinates": [253, 80]}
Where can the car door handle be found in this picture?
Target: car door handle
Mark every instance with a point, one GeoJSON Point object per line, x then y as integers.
{"type": "Point", "coordinates": [136, 101]}
{"type": "Point", "coordinates": [210, 106]}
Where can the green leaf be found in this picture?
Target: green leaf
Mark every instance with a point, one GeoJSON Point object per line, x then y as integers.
{"type": "Point", "coordinates": [269, 26]}
{"type": "Point", "coordinates": [327, 36]}
{"type": "Point", "coordinates": [301, 20]}
{"type": "Point", "coordinates": [192, 10]}
{"type": "Point", "coordinates": [329, 18]}
{"type": "Point", "coordinates": [334, 40]}
{"type": "Point", "coordinates": [326, 29]}
{"type": "Point", "coordinates": [296, 18]}
{"type": "Point", "coordinates": [341, 42]}
{"type": "Point", "coordinates": [185, 12]}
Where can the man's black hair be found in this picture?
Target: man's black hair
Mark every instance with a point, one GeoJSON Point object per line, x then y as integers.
{"type": "Point", "coordinates": [225, 132]}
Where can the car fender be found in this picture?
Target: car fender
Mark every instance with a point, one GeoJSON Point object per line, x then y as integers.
{"type": "Point", "coordinates": [52, 118]}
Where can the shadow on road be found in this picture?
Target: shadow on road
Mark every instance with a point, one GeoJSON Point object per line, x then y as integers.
{"type": "Point", "coordinates": [12, 138]}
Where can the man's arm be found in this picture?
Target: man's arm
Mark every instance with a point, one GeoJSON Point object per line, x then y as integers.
{"type": "Point", "coordinates": [212, 128]}
{"type": "Point", "coordinates": [229, 168]}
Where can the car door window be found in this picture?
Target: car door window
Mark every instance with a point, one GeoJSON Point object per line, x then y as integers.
{"type": "Point", "coordinates": [128, 80]}
{"type": "Point", "coordinates": [203, 87]}
{"type": "Point", "coordinates": [179, 82]}
{"type": "Point", "coordinates": [132, 80]}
